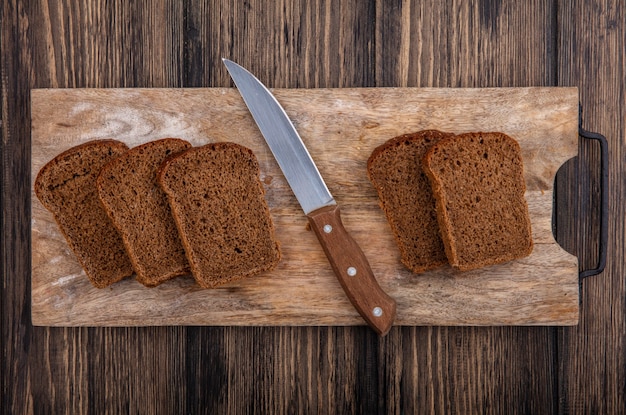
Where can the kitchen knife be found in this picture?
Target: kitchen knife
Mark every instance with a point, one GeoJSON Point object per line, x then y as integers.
{"type": "Point", "coordinates": [345, 256]}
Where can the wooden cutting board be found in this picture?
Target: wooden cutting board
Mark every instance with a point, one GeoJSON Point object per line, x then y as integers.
{"type": "Point", "coordinates": [340, 127]}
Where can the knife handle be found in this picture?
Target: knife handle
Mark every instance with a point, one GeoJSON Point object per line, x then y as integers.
{"type": "Point", "coordinates": [352, 269]}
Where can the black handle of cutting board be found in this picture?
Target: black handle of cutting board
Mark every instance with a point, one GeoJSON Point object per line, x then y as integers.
{"type": "Point", "coordinates": [604, 195]}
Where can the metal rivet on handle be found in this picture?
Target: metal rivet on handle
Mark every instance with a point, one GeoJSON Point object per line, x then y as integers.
{"type": "Point", "coordinates": [328, 228]}
{"type": "Point", "coordinates": [377, 311]}
{"type": "Point", "coordinates": [352, 271]}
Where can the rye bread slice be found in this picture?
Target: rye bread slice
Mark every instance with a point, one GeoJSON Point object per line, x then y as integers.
{"type": "Point", "coordinates": [478, 182]}
{"type": "Point", "coordinates": [404, 194]}
{"type": "Point", "coordinates": [219, 207]}
{"type": "Point", "coordinates": [66, 186]}
{"type": "Point", "coordinates": [140, 211]}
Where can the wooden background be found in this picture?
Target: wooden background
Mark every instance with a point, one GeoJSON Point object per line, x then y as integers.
{"type": "Point", "coordinates": [72, 43]}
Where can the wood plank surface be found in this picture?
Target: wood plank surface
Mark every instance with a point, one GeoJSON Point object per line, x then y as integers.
{"type": "Point", "coordinates": [310, 44]}
{"type": "Point", "coordinates": [592, 373]}
{"type": "Point", "coordinates": [340, 127]}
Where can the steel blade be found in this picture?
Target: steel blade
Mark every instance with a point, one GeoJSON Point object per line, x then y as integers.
{"type": "Point", "coordinates": [283, 140]}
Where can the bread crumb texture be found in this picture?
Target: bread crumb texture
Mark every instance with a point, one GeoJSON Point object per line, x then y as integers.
{"type": "Point", "coordinates": [478, 183]}
{"type": "Point", "coordinates": [405, 195]}
{"type": "Point", "coordinates": [218, 203]}
{"type": "Point", "coordinates": [139, 209]}
{"type": "Point", "coordinates": [66, 186]}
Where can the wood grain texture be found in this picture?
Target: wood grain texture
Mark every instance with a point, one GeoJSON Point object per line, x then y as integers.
{"type": "Point", "coordinates": [340, 127]}
{"type": "Point", "coordinates": [593, 369]}
{"type": "Point", "coordinates": [305, 44]}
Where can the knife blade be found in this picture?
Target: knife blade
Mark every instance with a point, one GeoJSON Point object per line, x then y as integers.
{"type": "Point", "coordinates": [345, 256]}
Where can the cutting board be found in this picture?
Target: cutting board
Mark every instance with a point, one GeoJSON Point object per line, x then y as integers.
{"type": "Point", "coordinates": [340, 127]}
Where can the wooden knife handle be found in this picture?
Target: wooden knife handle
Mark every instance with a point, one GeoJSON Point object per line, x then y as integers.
{"type": "Point", "coordinates": [353, 270]}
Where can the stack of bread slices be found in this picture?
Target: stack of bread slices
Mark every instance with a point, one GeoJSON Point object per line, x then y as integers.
{"type": "Point", "coordinates": [165, 209]}
{"type": "Point", "coordinates": [161, 210]}
{"type": "Point", "coordinates": [456, 199]}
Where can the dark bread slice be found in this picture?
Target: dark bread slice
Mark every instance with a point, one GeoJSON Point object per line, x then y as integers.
{"type": "Point", "coordinates": [478, 182]}
{"type": "Point", "coordinates": [140, 211]}
{"type": "Point", "coordinates": [66, 186]}
{"type": "Point", "coordinates": [218, 203]}
{"type": "Point", "coordinates": [395, 170]}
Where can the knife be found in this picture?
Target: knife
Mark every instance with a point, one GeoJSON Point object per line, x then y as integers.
{"type": "Point", "coordinates": [345, 256]}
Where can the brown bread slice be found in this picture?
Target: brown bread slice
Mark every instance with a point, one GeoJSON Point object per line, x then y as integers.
{"type": "Point", "coordinates": [140, 211]}
{"type": "Point", "coordinates": [66, 186]}
{"type": "Point", "coordinates": [478, 182]}
{"type": "Point", "coordinates": [218, 203]}
{"type": "Point", "coordinates": [395, 170]}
